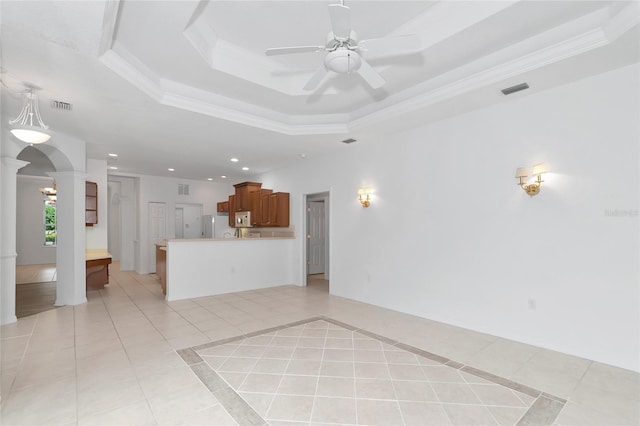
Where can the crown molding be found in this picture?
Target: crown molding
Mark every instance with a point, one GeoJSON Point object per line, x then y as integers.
{"type": "Point", "coordinates": [484, 71]}
{"type": "Point", "coordinates": [178, 95]}
{"type": "Point", "coordinates": [583, 34]}
{"type": "Point", "coordinates": [109, 23]}
{"type": "Point", "coordinates": [626, 19]}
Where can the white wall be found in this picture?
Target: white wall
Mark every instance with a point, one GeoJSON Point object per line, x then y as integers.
{"type": "Point", "coordinates": [165, 190]}
{"type": "Point", "coordinates": [451, 237]}
{"type": "Point", "coordinates": [30, 222]}
{"type": "Point", "coordinates": [97, 235]}
{"type": "Point", "coordinates": [197, 268]}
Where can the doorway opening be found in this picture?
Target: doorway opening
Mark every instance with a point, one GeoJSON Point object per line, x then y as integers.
{"type": "Point", "coordinates": [317, 247]}
{"type": "Point", "coordinates": [157, 230]}
{"type": "Point", "coordinates": [122, 196]}
{"type": "Point", "coordinates": [188, 221]}
{"type": "Point", "coordinates": [36, 261]}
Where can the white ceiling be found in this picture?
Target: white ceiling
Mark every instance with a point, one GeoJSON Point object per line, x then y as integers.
{"type": "Point", "coordinates": [186, 84]}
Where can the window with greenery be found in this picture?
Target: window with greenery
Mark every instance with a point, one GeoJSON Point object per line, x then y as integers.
{"type": "Point", "coordinates": [50, 223]}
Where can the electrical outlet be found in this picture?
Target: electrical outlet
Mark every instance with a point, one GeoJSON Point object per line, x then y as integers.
{"type": "Point", "coordinates": [532, 304]}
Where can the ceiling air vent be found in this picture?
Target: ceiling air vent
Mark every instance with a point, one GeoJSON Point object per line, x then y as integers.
{"type": "Point", "coordinates": [183, 189]}
{"type": "Point", "coordinates": [350, 140]}
{"type": "Point", "coordinates": [66, 106]}
{"type": "Point", "coordinates": [514, 89]}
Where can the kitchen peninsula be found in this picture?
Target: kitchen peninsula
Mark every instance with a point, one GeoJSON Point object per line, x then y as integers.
{"type": "Point", "coordinates": [206, 267]}
{"type": "Point", "coordinates": [260, 257]}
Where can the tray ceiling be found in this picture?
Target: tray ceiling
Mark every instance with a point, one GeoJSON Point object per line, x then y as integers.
{"type": "Point", "coordinates": [146, 65]}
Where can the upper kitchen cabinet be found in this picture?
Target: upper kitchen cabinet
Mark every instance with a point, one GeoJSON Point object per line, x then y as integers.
{"type": "Point", "coordinates": [256, 206]}
{"type": "Point", "coordinates": [232, 210]}
{"type": "Point", "coordinates": [223, 207]}
{"type": "Point", "coordinates": [90, 203]}
{"type": "Point", "coordinates": [243, 195]}
{"type": "Point", "coordinates": [267, 208]}
{"type": "Point", "coordinates": [278, 209]}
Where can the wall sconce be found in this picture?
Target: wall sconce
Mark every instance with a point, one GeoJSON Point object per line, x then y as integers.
{"type": "Point", "coordinates": [364, 195]}
{"type": "Point", "coordinates": [532, 188]}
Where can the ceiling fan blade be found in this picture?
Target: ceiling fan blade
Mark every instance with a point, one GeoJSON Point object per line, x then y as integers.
{"type": "Point", "coordinates": [294, 49]}
{"type": "Point", "coordinates": [316, 78]}
{"type": "Point", "coordinates": [370, 75]}
{"type": "Point", "coordinates": [390, 46]}
{"type": "Point", "coordinates": [340, 21]}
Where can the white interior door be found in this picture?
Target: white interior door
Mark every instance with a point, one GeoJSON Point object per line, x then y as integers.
{"type": "Point", "coordinates": [315, 237]}
{"type": "Point", "coordinates": [157, 230]}
{"type": "Point", "coordinates": [179, 223]}
{"type": "Point", "coordinates": [114, 214]}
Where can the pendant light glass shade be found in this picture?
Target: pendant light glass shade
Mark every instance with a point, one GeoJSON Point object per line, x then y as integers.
{"type": "Point", "coordinates": [23, 127]}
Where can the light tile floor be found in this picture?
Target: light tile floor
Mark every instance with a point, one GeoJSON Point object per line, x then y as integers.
{"type": "Point", "coordinates": [114, 360]}
{"type": "Point", "coordinates": [324, 372]}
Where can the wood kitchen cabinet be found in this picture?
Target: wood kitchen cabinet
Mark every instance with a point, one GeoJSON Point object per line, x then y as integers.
{"type": "Point", "coordinates": [232, 211]}
{"type": "Point", "coordinates": [161, 265]}
{"type": "Point", "coordinates": [267, 208]}
{"type": "Point", "coordinates": [278, 209]}
{"type": "Point", "coordinates": [243, 195]}
{"type": "Point", "coordinates": [257, 218]}
{"type": "Point", "coordinates": [264, 210]}
{"type": "Point", "coordinates": [90, 203]}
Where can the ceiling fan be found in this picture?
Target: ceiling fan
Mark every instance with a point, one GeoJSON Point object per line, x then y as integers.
{"type": "Point", "coordinates": [345, 51]}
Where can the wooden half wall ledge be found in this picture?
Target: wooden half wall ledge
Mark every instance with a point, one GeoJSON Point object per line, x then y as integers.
{"type": "Point", "coordinates": [97, 261]}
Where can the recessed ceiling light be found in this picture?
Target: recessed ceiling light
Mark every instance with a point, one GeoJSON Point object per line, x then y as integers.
{"type": "Point", "coordinates": [234, 160]}
{"type": "Point", "coordinates": [172, 170]}
{"type": "Point", "coordinates": [113, 155]}
{"type": "Point", "coordinates": [303, 155]}
{"type": "Point", "coordinates": [209, 178]}
{"type": "Point", "coordinates": [245, 168]}
{"type": "Point", "coordinates": [113, 168]}
{"type": "Point", "coordinates": [223, 177]}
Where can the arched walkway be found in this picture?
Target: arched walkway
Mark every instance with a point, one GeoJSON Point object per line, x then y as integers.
{"type": "Point", "coordinates": [68, 156]}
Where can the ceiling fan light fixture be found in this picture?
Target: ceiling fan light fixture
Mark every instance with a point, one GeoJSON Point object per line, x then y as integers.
{"type": "Point", "coordinates": [22, 126]}
{"type": "Point", "coordinates": [30, 134]}
{"type": "Point", "coordinates": [342, 61]}
{"type": "Point", "coordinates": [344, 50]}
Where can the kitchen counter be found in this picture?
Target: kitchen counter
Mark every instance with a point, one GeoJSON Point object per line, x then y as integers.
{"type": "Point", "coordinates": [209, 266]}
{"type": "Point", "coordinates": [161, 265]}
{"type": "Point", "coordinates": [97, 268]}
{"type": "Point", "coordinates": [230, 239]}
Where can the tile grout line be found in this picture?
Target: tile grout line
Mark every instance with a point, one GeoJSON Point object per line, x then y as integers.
{"type": "Point", "coordinates": [115, 329]}
{"type": "Point", "coordinates": [75, 362]}
{"type": "Point", "coordinates": [497, 380]}
{"type": "Point", "coordinates": [313, 403]}
{"type": "Point", "coordinates": [245, 379]}
{"type": "Point", "coordinates": [446, 361]}
{"type": "Point", "coordinates": [395, 393]}
{"type": "Point", "coordinates": [355, 379]}
{"type": "Point", "coordinates": [222, 390]}
{"type": "Point", "coordinates": [482, 402]}
{"type": "Point", "coordinates": [24, 353]}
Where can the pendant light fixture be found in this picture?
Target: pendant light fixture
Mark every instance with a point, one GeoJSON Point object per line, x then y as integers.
{"type": "Point", "coordinates": [23, 126]}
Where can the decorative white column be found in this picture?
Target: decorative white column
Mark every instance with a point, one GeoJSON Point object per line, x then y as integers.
{"type": "Point", "coordinates": [8, 188]}
{"type": "Point", "coordinates": [70, 238]}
